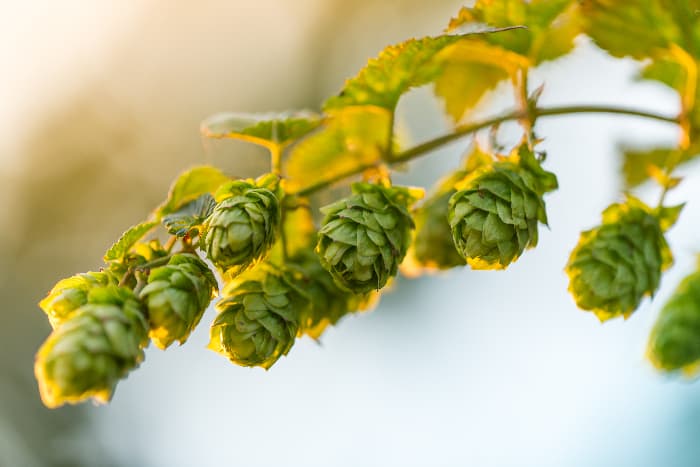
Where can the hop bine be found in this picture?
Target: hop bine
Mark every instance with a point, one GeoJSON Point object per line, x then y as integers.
{"type": "Point", "coordinates": [176, 297]}
{"type": "Point", "coordinates": [258, 317]}
{"type": "Point", "coordinates": [619, 262]}
{"type": "Point", "coordinates": [243, 226]}
{"type": "Point", "coordinates": [674, 343]}
{"type": "Point", "coordinates": [496, 209]}
{"type": "Point", "coordinates": [95, 347]}
{"type": "Point", "coordinates": [365, 237]}
{"type": "Point", "coordinates": [70, 294]}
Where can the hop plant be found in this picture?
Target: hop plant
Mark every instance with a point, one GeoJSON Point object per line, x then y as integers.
{"type": "Point", "coordinates": [365, 237]}
{"type": "Point", "coordinates": [71, 293]}
{"type": "Point", "coordinates": [328, 302]}
{"type": "Point", "coordinates": [243, 226]}
{"type": "Point", "coordinates": [91, 350]}
{"type": "Point", "coordinates": [258, 317]}
{"type": "Point", "coordinates": [494, 213]}
{"type": "Point", "coordinates": [619, 262]}
{"type": "Point", "coordinates": [176, 297]}
{"type": "Point", "coordinates": [674, 343]}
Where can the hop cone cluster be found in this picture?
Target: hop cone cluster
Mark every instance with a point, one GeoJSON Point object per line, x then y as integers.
{"type": "Point", "coordinates": [365, 237]}
{"type": "Point", "coordinates": [176, 297]}
{"type": "Point", "coordinates": [92, 349]}
{"type": "Point", "coordinates": [258, 317]}
{"type": "Point", "coordinates": [619, 262]}
{"type": "Point", "coordinates": [242, 227]}
{"type": "Point", "coordinates": [328, 302]}
{"type": "Point", "coordinates": [433, 246]}
{"type": "Point", "coordinates": [674, 343]}
{"type": "Point", "coordinates": [70, 294]}
{"type": "Point", "coordinates": [494, 213]}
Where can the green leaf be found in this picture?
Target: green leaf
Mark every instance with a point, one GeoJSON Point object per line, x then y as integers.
{"type": "Point", "coordinates": [190, 185]}
{"type": "Point", "coordinates": [128, 239]}
{"type": "Point", "coordinates": [668, 215]}
{"type": "Point", "coordinates": [189, 216]}
{"type": "Point", "coordinates": [551, 26]}
{"type": "Point", "coordinates": [349, 140]}
{"type": "Point", "coordinates": [265, 129]}
{"type": "Point", "coordinates": [638, 162]}
{"type": "Point", "coordinates": [636, 28]}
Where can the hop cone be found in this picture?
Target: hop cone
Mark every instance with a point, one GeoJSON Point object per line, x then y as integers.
{"type": "Point", "coordinates": [176, 297]}
{"type": "Point", "coordinates": [494, 213]}
{"type": "Point", "coordinates": [364, 237]}
{"type": "Point", "coordinates": [258, 318]}
{"type": "Point", "coordinates": [433, 247]}
{"type": "Point", "coordinates": [70, 294]}
{"type": "Point", "coordinates": [619, 262]}
{"type": "Point", "coordinates": [674, 343]}
{"type": "Point", "coordinates": [329, 303]}
{"type": "Point", "coordinates": [94, 348]}
{"type": "Point", "coordinates": [242, 227]}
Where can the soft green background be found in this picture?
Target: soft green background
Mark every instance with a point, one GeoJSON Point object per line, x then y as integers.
{"type": "Point", "coordinates": [102, 102]}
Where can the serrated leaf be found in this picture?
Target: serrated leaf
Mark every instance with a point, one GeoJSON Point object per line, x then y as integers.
{"type": "Point", "coordinates": [122, 246]}
{"type": "Point", "coordinates": [350, 139]}
{"type": "Point", "coordinates": [189, 216]}
{"type": "Point", "coordinates": [470, 69]}
{"type": "Point", "coordinates": [551, 26]}
{"type": "Point", "coordinates": [266, 129]}
{"type": "Point", "coordinates": [190, 185]}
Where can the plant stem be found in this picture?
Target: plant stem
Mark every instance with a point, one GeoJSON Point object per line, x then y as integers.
{"type": "Point", "coordinates": [463, 130]}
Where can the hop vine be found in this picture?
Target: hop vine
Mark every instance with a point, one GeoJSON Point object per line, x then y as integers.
{"type": "Point", "coordinates": [289, 268]}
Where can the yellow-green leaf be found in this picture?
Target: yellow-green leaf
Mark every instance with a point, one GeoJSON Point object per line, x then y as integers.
{"type": "Point", "coordinates": [122, 246]}
{"type": "Point", "coordinates": [636, 28]}
{"type": "Point", "coordinates": [266, 129]}
{"type": "Point", "coordinates": [189, 186]}
{"type": "Point", "coordinates": [551, 26]}
{"type": "Point", "coordinates": [637, 163]}
{"type": "Point", "coordinates": [349, 140]}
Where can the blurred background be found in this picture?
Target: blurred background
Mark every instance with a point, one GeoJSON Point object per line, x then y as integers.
{"type": "Point", "coordinates": [101, 103]}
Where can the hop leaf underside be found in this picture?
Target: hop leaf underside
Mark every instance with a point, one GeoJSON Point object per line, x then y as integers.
{"type": "Point", "coordinates": [98, 345]}
{"type": "Point", "coordinates": [176, 297]}
{"type": "Point", "coordinates": [618, 263]}
{"type": "Point", "coordinates": [258, 319]}
{"type": "Point", "coordinates": [494, 216]}
{"type": "Point", "coordinates": [365, 237]}
{"type": "Point", "coordinates": [674, 343]}
{"type": "Point", "coordinates": [242, 228]}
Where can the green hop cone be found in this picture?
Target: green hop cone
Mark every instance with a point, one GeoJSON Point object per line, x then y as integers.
{"type": "Point", "coordinates": [616, 264]}
{"type": "Point", "coordinates": [92, 350]}
{"type": "Point", "coordinates": [329, 303]}
{"type": "Point", "coordinates": [258, 317]}
{"type": "Point", "coordinates": [243, 226]}
{"type": "Point", "coordinates": [433, 247]}
{"type": "Point", "coordinates": [674, 343]}
{"type": "Point", "coordinates": [495, 212]}
{"type": "Point", "coordinates": [71, 293]}
{"type": "Point", "coordinates": [176, 297]}
{"type": "Point", "coordinates": [365, 236]}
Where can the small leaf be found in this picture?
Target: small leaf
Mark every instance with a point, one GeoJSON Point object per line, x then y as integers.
{"type": "Point", "coordinates": [668, 215]}
{"type": "Point", "coordinates": [349, 140]}
{"type": "Point", "coordinates": [122, 246]}
{"type": "Point", "coordinates": [265, 129]}
{"type": "Point", "coordinates": [190, 185]}
{"type": "Point", "coordinates": [189, 216]}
